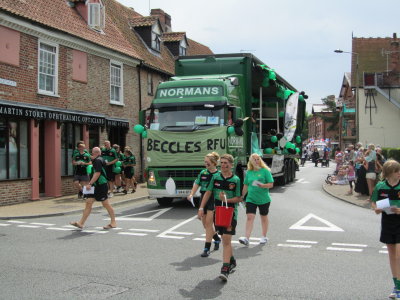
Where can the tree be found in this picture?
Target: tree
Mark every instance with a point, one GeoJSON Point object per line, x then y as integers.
{"type": "Point", "coordinates": [332, 115]}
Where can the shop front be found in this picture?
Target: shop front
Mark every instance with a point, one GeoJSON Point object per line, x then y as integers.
{"type": "Point", "coordinates": [36, 145]}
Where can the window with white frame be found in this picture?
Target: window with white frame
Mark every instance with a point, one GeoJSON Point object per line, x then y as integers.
{"type": "Point", "coordinates": [182, 48]}
{"type": "Point", "coordinates": [96, 16]}
{"type": "Point", "coordinates": [156, 37]}
{"type": "Point", "coordinates": [116, 83]}
{"type": "Point", "coordinates": [48, 69]}
{"type": "Point", "coordinates": [149, 84]}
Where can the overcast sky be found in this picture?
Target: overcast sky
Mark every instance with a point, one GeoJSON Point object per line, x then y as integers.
{"type": "Point", "coordinates": [296, 38]}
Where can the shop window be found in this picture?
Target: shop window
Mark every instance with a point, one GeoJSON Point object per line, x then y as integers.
{"type": "Point", "coordinates": [70, 135]}
{"type": "Point", "coordinates": [94, 137]}
{"type": "Point", "coordinates": [117, 135]}
{"type": "Point", "coordinates": [14, 149]}
{"type": "Point", "coordinates": [116, 95]}
{"type": "Point", "coordinates": [48, 69]}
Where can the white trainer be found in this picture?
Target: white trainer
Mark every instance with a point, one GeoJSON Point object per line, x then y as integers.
{"type": "Point", "coordinates": [244, 241]}
{"type": "Point", "coordinates": [110, 195]}
{"type": "Point", "coordinates": [263, 240]}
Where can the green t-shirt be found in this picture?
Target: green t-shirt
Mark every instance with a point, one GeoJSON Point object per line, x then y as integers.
{"type": "Point", "coordinates": [109, 154]}
{"type": "Point", "coordinates": [203, 179]}
{"type": "Point", "coordinates": [98, 166]}
{"type": "Point", "coordinates": [129, 160]}
{"type": "Point", "coordinates": [81, 169]}
{"type": "Point", "coordinates": [121, 156]}
{"type": "Point", "coordinates": [230, 186]}
{"type": "Point", "coordinates": [256, 194]}
{"type": "Point", "coordinates": [383, 190]}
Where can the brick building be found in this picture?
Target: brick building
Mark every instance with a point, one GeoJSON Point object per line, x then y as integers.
{"type": "Point", "coordinates": [75, 70]}
{"type": "Point", "coordinates": [318, 127]}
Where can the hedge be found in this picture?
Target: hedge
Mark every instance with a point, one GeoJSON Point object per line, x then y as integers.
{"type": "Point", "coordinates": [391, 153]}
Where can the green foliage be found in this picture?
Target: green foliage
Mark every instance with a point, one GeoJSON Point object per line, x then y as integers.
{"type": "Point", "coordinates": [391, 153]}
{"type": "Point", "coordinates": [333, 118]}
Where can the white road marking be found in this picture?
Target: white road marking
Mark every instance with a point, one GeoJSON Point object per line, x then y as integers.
{"type": "Point", "coordinates": [350, 245]}
{"type": "Point", "coordinates": [144, 230]}
{"type": "Point", "coordinates": [116, 228]}
{"type": "Point", "coordinates": [16, 222]}
{"type": "Point", "coordinates": [61, 229]}
{"type": "Point", "coordinates": [158, 213]}
{"type": "Point", "coordinates": [300, 180]}
{"type": "Point", "coordinates": [294, 246]}
{"type": "Point", "coordinates": [199, 239]}
{"type": "Point", "coordinates": [183, 233]}
{"type": "Point", "coordinates": [43, 224]}
{"type": "Point", "coordinates": [29, 226]}
{"type": "Point", "coordinates": [4, 225]}
{"type": "Point", "coordinates": [383, 251]}
{"type": "Point", "coordinates": [165, 234]}
{"type": "Point", "coordinates": [344, 249]}
{"type": "Point", "coordinates": [132, 233]}
{"type": "Point", "coordinates": [301, 242]}
{"type": "Point", "coordinates": [329, 226]}
{"type": "Point", "coordinates": [384, 247]}
{"type": "Point", "coordinates": [93, 231]}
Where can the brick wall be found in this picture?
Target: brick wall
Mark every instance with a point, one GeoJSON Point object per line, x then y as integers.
{"type": "Point", "coordinates": [67, 186]}
{"type": "Point", "coordinates": [15, 191]}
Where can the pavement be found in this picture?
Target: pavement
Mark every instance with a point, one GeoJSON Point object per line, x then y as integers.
{"type": "Point", "coordinates": [67, 205]}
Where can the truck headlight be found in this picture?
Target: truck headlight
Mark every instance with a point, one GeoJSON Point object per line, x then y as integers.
{"type": "Point", "coordinates": [152, 178]}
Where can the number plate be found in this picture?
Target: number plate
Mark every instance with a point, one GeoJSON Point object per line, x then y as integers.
{"type": "Point", "coordinates": [182, 192]}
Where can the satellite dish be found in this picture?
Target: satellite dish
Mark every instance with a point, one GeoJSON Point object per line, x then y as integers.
{"type": "Point", "coordinates": [282, 142]}
{"type": "Point", "coordinates": [170, 186]}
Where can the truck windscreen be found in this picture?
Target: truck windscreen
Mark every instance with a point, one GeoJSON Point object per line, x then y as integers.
{"type": "Point", "coordinates": [186, 118]}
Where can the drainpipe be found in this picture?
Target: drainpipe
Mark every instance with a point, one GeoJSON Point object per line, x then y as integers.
{"type": "Point", "coordinates": [140, 108]}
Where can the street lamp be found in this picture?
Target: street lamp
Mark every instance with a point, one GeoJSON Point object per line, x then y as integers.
{"type": "Point", "coordinates": [357, 92]}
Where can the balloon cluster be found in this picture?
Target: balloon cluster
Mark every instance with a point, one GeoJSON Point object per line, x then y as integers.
{"type": "Point", "coordinates": [236, 128]}
{"type": "Point", "coordinates": [303, 96]}
{"type": "Point", "coordinates": [117, 167]}
{"type": "Point", "coordinates": [269, 75]}
{"type": "Point", "coordinates": [289, 148]}
{"type": "Point", "coordinates": [140, 129]}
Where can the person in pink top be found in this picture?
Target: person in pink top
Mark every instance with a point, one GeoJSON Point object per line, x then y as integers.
{"type": "Point", "coordinates": [351, 176]}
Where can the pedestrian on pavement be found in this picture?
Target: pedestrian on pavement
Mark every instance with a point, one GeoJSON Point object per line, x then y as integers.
{"type": "Point", "coordinates": [129, 164]}
{"type": "Point", "coordinates": [98, 181]}
{"type": "Point", "coordinates": [371, 165]}
{"type": "Point", "coordinates": [257, 183]}
{"type": "Point", "coordinates": [389, 187]}
{"type": "Point", "coordinates": [303, 157]}
{"type": "Point", "coordinates": [110, 157]}
{"type": "Point", "coordinates": [351, 176]}
{"type": "Point", "coordinates": [80, 160]}
{"type": "Point", "coordinates": [225, 186]}
{"type": "Point", "coordinates": [202, 181]}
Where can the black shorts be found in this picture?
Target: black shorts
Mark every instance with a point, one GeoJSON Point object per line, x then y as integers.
{"type": "Point", "coordinates": [224, 230]}
{"type": "Point", "coordinates": [109, 172]}
{"type": "Point", "coordinates": [210, 203]}
{"type": "Point", "coordinates": [390, 229]}
{"type": "Point", "coordinates": [251, 208]}
{"type": "Point", "coordinates": [128, 173]}
{"type": "Point", "coordinates": [81, 178]}
{"type": "Point", "coordinates": [100, 192]}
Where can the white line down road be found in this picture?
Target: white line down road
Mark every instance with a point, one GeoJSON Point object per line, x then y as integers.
{"type": "Point", "coordinates": [328, 225]}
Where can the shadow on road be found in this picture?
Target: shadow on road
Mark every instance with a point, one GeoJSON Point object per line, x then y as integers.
{"type": "Point", "coordinates": [247, 252]}
{"type": "Point", "coordinates": [195, 262]}
{"type": "Point", "coordinates": [75, 235]}
{"type": "Point", "coordinates": [206, 289]}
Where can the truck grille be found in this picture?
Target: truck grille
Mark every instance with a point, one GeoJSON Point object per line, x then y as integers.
{"type": "Point", "coordinates": [180, 184]}
{"type": "Point", "coordinates": [178, 173]}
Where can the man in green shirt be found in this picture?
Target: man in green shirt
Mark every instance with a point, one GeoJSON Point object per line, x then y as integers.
{"type": "Point", "coordinates": [96, 190]}
{"type": "Point", "coordinates": [110, 157]}
{"type": "Point", "coordinates": [80, 160]}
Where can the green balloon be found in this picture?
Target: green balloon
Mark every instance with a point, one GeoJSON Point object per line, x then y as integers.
{"type": "Point", "coordinates": [265, 82]}
{"type": "Point", "coordinates": [281, 114]}
{"type": "Point", "coordinates": [118, 164]}
{"type": "Point", "coordinates": [292, 146]}
{"type": "Point", "coordinates": [274, 139]}
{"type": "Point", "coordinates": [268, 151]}
{"type": "Point", "coordinates": [287, 93]}
{"type": "Point", "coordinates": [117, 170]}
{"type": "Point", "coordinates": [285, 151]}
{"type": "Point", "coordinates": [231, 130]}
{"type": "Point", "coordinates": [138, 128]}
{"type": "Point", "coordinates": [279, 94]}
{"type": "Point", "coordinates": [301, 98]}
{"type": "Point", "coordinates": [144, 134]}
{"type": "Point", "coordinates": [89, 169]}
{"type": "Point", "coordinates": [288, 145]}
{"type": "Point", "coordinates": [272, 75]}
{"type": "Point", "coordinates": [298, 139]}
{"type": "Point", "coordinates": [297, 150]}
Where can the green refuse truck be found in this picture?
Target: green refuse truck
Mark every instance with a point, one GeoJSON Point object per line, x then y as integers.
{"type": "Point", "coordinates": [227, 103]}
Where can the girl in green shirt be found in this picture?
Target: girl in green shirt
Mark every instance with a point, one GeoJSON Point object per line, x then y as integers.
{"type": "Point", "coordinates": [257, 183]}
{"type": "Point", "coordinates": [202, 182]}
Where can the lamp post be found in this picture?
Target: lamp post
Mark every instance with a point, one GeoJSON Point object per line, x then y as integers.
{"type": "Point", "coordinates": [357, 93]}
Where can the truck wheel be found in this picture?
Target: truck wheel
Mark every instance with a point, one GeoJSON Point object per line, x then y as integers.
{"type": "Point", "coordinates": [290, 171]}
{"type": "Point", "coordinates": [164, 201]}
{"type": "Point", "coordinates": [294, 170]}
{"type": "Point", "coordinates": [287, 172]}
